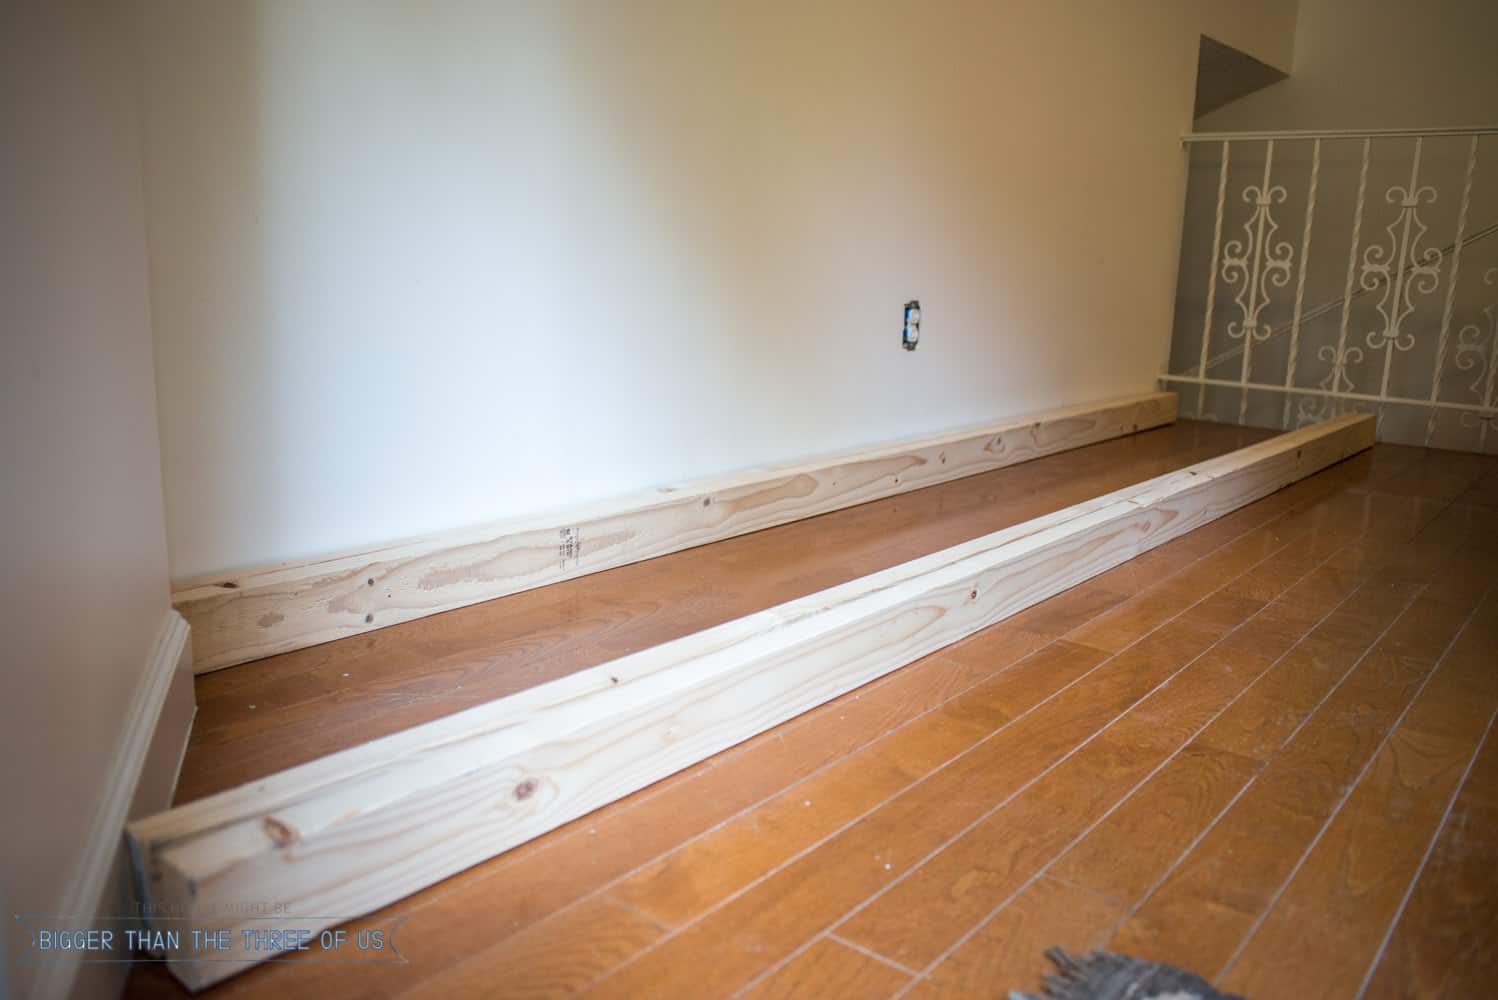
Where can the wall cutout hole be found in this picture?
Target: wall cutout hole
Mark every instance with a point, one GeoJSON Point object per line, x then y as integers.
{"type": "Point", "coordinates": [912, 335]}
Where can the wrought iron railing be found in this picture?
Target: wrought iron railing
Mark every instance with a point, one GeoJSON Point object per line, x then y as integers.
{"type": "Point", "coordinates": [1403, 322]}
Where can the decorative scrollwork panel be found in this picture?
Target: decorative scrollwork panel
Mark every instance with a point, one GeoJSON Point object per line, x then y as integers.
{"type": "Point", "coordinates": [1397, 313]}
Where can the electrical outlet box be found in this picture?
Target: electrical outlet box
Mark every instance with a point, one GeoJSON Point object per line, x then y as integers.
{"type": "Point", "coordinates": [912, 335]}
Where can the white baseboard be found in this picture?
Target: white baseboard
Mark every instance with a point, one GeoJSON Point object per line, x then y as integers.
{"type": "Point", "coordinates": [142, 778]}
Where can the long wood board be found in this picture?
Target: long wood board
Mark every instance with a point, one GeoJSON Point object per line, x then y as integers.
{"type": "Point", "coordinates": [341, 836]}
{"type": "Point", "coordinates": [251, 614]}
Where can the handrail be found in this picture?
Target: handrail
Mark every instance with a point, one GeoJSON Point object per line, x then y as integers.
{"type": "Point", "coordinates": [1344, 133]}
{"type": "Point", "coordinates": [1481, 410]}
{"type": "Point", "coordinates": [1326, 307]}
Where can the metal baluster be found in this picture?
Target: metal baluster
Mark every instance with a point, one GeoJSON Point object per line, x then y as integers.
{"type": "Point", "coordinates": [1222, 187]}
{"type": "Point", "coordinates": [1251, 312]}
{"type": "Point", "coordinates": [1456, 264]}
{"type": "Point", "coordinates": [1339, 361]}
{"type": "Point", "coordinates": [1300, 282]}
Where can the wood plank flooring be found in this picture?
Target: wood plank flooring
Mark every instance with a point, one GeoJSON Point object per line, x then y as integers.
{"type": "Point", "coordinates": [1263, 751]}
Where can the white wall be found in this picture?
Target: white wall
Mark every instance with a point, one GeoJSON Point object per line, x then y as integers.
{"type": "Point", "coordinates": [1368, 64]}
{"type": "Point", "coordinates": [422, 265]}
{"type": "Point", "coordinates": [84, 589]}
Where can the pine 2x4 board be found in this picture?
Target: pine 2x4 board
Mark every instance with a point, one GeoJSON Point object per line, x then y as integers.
{"type": "Point", "coordinates": [339, 837]}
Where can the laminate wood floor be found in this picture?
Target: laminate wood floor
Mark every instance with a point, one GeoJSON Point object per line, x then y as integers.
{"type": "Point", "coordinates": [1262, 751]}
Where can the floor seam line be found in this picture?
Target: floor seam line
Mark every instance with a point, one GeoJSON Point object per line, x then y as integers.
{"type": "Point", "coordinates": [625, 905]}
{"type": "Point", "coordinates": [871, 953]}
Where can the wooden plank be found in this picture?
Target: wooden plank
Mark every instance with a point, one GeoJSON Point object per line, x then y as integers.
{"type": "Point", "coordinates": [1326, 928]}
{"type": "Point", "coordinates": [930, 910]}
{"type": "Point", "coordinates": [340, 836]}
{"type": "Point", "coordinates": [557, 957]}
{"type": "Point", "coordinates": [1445, 943]}
{"type": "Point", "coordinates": [1270, 712]}
{"type": "Point", "coordinates": [317, 701]}
{"type": "Point", "coordinates": [1200, 914]}
{"type": "Point", "coordinates": [1008, 953]}
{"type": "Point", "coordinates": [487, 905]}
{"type": "Point", "coordinates": [1104, 873]}
{"type": "Point", "coordinates": [245, 615]}
{"type": "Point", "coordinates": [1140, 841]}
{"type": "Point", "coordinates": [831, 969]}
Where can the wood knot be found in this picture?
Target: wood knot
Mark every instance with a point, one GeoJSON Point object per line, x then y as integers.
{"type": "Point", "coordinates": [229, 585]}
{"type": "Point", "coordinates": [525, 789]}
{"type": "Point", "coordinates": [281, 832]}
